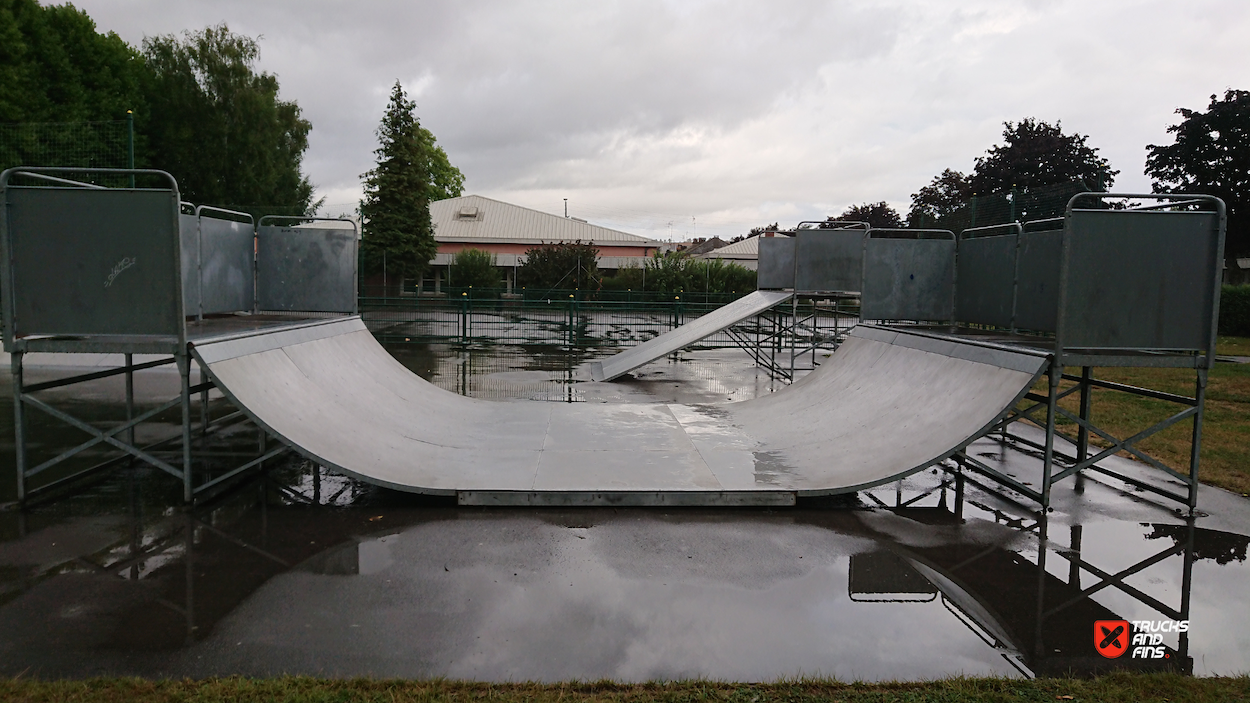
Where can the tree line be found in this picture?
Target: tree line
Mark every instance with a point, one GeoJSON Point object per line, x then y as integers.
{"type": "Point", "coordinates": [1038, 167]}
{"type": "Point", "coordinates": [201, 109]}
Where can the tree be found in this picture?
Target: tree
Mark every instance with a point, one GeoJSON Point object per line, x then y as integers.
{"type": "Point", "coordinates": [1211, 155]}
{"type": "Point", "coordinates": [219, 127]}
{"type": "Point", "coordinates": [946, 194]}
{"type": "Point", "coordinates": [56, 68]}
{"type": "Point", "coordinates": [560, 265]}
{"type": "Point", "coordinates": [397, 235]}
{"type": "Point", "coordinates": [473, 268]}
{"type": "Point", "coordinates": [446, 181]}
{"type": "Point", "coordinates": [876, 214]}
{"type": "Point", "coordinates": [1035, 153]}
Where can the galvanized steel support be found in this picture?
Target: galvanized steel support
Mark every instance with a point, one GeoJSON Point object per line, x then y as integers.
{"type": "Point", "coordinates": [184, 373]}
{"type": "Point", "coordinates": [19, 423]}
{"type": "Point", "coordinates": [1052, 412]}
{"type": "Point", "coordinates": [1200, 395]}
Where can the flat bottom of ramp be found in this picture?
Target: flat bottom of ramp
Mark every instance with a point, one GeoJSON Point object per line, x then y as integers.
{"type": "Point", "coordinates": [564, 499]}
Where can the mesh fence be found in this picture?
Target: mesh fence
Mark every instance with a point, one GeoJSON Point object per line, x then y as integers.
{"type": "Point", "coordinates": [1018, 204]}
{"type": "Point", "coordinates": [67, 144]}
{"type": "Point", "coordinates": [591, 325]}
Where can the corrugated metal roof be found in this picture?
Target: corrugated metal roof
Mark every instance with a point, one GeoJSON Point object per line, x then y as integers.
{"type": "Point", "coordinates": [746, 249]}
{"type": "Point", "coordinates": [473, 218]}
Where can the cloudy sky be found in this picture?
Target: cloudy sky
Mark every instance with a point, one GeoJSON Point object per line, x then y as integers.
{"type": "Point", "coordinates": [715, 116]}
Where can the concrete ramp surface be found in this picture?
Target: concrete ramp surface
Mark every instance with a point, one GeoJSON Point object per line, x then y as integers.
{"type": "Point", "coordinates": [700, 328]}
{"type": "Point", "coordinates": [884, 405]}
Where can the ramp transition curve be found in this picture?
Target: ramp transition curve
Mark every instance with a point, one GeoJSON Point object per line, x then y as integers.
{"type": "Point", "coordinates": [886, 404]}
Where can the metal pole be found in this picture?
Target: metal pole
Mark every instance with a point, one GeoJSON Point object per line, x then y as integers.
{"type": "Point", "coordinates": [130, 144]}
{"type": "Point", "coordinates": [184, 370]}
{"type": "Point", "coordinates": [19, 424]}
{"type": "Point", "coordinates": [1082, 434]}
{"type": "Point", "coordinates": [130, 397]}
{"type": "Point", "coordinates": [959, 490]}
{"type": "Point", "coordinates": [1200, 395]}
{"type": "Point", "coordinates": [1042, 547]}
{"type": "Point", "coordinates": [794, 330]}
{"type": "Point", "coordinates": [1052, 404]}
{"type": "Point", "coordinates": [1187, 577]}
{"type": "Point", "coordinates": [1074, 562]}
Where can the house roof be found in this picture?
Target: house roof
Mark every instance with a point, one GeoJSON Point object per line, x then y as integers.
{"type": "Point", "coordinates": [473, 218]}
{"type": "Point", "coordinates": [747, 249]}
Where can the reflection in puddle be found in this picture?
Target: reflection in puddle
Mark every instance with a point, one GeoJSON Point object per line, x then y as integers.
{"type": "Point", "coordinates": [307, 572]}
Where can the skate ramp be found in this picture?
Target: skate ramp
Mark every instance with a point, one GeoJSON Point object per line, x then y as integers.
{"type": "Point", "coordinates": [702, 327]}
{"type": "Point", "coordinates": [884, 405]}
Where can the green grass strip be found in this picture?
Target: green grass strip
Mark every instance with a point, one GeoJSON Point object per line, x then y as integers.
{"type": "Point", "coordinates": [1115, 688]}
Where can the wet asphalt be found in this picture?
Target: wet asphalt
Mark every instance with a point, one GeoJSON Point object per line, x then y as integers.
{"type": "Point", "coordinates": [300, 571]}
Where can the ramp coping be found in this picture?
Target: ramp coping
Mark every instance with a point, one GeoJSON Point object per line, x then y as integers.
{"type": "Point", "coordinates": [213, 350]}
{"type": "Point", "coordinates": [1016, 359]}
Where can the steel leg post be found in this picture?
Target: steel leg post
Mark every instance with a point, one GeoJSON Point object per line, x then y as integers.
{"type": "Point", "coordinates": [203, 406]}
{"type": "Point", "coordinates": [19, 424]}
{"type": "Point", "coordinates": [1200, 395]}
{"type": "Point", "coordinates": [1187, 577]}
{"type": "Point", "coordinates": [184, 370]}
{"type": "Point", "coordinates": [1052, 414]}
{"type": "Point", "coordinates": [1082, 434]}
{"type": "Point", "coordinates": [794, 331]}
{"type": "Point", "coordinates": [959, 492]}
{"type": "Point", "coordinates": [1043, 546]}
{"type": "Point", "coordinates": [1074, 564]}
{"type": "Point", "coordinates": [130, 398]}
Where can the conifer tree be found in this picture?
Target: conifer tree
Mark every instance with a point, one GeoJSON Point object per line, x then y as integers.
{"type": "Point", "coordinates": [397, 235]}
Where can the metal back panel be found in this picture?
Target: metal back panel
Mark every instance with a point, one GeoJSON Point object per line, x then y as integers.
{"type": "Point", "coordinates": [1139, 279]}
{"type": "Point", "coordinates": [1037, 280]}
{"type": "Point", "coordinates": [829, 260]}
{"type": "Point", "coordinates": [986, 290]}
{"type": "Point", "coordinates": [86, 261]}
{"type": "Point", "coordinates": [776, 262]}
{"type": "Point", "coordinates": [908, 279]}
{"type": "Point", "coordinates": [227, 268]}
{"type": "Point", "coordinates": [306, 268]}
{"type": "Point", "coordinates": [189, 243]}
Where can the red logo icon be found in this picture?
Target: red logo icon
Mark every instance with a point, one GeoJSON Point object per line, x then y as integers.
{"type": "Point", "coordinates": [1111, 637]}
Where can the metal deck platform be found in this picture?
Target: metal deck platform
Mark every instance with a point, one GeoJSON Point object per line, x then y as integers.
{"type": "Point", "coordinates": [885, 405]}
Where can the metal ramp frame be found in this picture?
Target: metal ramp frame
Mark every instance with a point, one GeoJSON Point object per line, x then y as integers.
{"type": "Point", "coordinates": [134, 270]}
{"type": "Point", "coordinates": [660, 346]}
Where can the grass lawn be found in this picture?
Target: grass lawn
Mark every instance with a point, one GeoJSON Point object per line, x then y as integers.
{"type": "Point", "coordinates": [1225, 456]}
{"type": "Point", "coordinates": [1118, 688]}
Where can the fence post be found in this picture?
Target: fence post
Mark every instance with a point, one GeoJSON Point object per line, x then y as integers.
{"type": "Point", "coordinates": [464, 318]}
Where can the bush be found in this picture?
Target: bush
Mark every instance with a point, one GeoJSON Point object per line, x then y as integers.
{"type": "Point", "coordinates": [562, 265]}
{"type": "Point", "coordinates": [1235, 311]}
{"type": "Point", "coordinates": [473, 268]}
{"type": "Point", "coordinates": [677, 273]}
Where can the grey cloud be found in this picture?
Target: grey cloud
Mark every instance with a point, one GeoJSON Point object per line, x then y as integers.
{"type": "Point", "coordinates": [735, 112]}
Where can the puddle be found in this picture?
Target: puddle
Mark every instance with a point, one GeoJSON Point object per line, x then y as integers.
{"type": "Point", "coordinates": [306, 572]}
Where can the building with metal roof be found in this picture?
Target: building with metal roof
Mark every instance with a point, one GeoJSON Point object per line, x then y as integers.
{"type": "Point", "coordinates": [508, 230]}
{"type": "Point", "coordinates": [745, 253]}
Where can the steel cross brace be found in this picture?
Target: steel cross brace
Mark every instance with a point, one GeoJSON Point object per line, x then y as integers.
{"type": "Point", "coordinates": [1117, 580]}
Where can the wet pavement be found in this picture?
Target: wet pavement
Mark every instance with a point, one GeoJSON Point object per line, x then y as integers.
{"type": "Point", "coordinates": [302, 571]}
